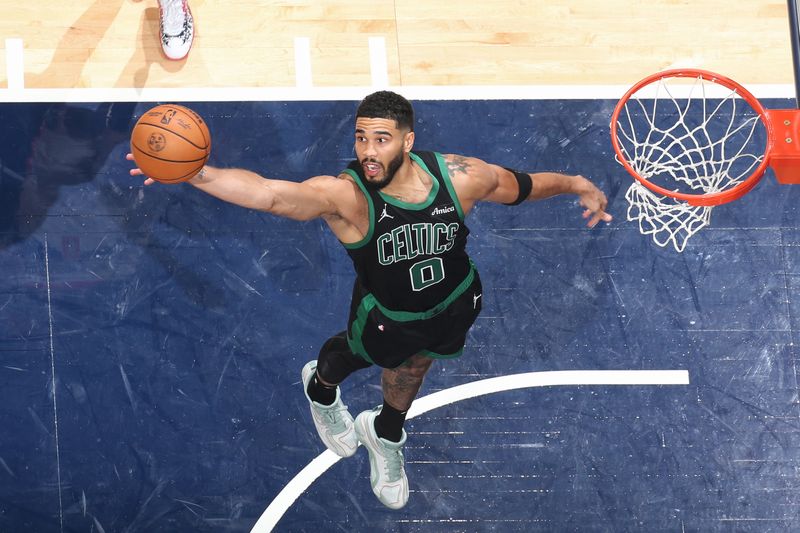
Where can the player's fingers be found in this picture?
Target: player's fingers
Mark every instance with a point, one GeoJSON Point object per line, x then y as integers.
{"type": "Point", "coordinates": [597, 217]}
{"type": "Point", "coordinates": [129, 157]}
{"type": "Point", "coordinates": [149, 181]}
{"type": "Point", "coordinates": [589, 212]}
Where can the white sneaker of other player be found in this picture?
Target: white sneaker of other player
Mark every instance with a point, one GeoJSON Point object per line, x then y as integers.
{"type": "Point", "coordinates": [386, 473]}
{"type": "Point", "coordinates": [334, 422]}
{"type": "Point", "coordinates": [177, 28]}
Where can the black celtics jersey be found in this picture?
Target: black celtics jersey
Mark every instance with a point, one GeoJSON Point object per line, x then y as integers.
{"type": "Point", "coordinates": [413, 257]}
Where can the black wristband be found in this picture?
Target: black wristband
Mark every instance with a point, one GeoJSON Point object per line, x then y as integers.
{"type": "Point", "coordinates": [525, 185]}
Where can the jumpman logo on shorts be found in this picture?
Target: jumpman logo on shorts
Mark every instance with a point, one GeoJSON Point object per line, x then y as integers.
{"type": "Point", "coordinates": [475, 300]}
{"type": "Point", "coordinates": [384, 214]}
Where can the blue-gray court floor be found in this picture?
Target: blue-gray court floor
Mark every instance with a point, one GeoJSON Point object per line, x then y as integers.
{"type": "Point", "coordinates": [151, 341]}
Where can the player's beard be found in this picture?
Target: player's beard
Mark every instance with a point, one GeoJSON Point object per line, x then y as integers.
{"type": "Point", "coordinates": [391, 170]}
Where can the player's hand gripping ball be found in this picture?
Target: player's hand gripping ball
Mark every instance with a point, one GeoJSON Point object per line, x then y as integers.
{"type": "Point", "coordinates": [170, 143]}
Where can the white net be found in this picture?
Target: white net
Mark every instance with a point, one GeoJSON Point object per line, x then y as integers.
{"type": "Point", "coordinates": [668, 220]}
{"type": "Point", "coordinates": [688, 136]}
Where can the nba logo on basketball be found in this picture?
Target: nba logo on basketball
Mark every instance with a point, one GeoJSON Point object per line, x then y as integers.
{"type": "Point", "coordinates": [170, 143]}
{"type": "Point", "coordinates": [167, 117]}
{"type": "Point", "coordinates": [156, 142]}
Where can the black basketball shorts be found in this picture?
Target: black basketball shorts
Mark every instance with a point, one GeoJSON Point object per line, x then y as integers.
{"type": "Point", "coordinates": [387, 338]}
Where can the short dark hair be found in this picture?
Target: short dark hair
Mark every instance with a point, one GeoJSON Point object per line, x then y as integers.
{"type": "Point", "coordinates": [389, 105]}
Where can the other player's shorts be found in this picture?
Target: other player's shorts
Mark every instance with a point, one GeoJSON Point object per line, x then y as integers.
{"type": "Point", "coordinates": [387, 338]}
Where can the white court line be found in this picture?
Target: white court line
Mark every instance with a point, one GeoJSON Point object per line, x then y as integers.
{"type": "Point", "coordinates": [302, 62]}
{"type": "Point", "coordinates": [377, 62]}
{"type": "Point", "coordinates": [308, 93]}
{"type": "Point", "coordinates": [15, 65]}
{"type": "Point", "coordinates": [295, 488]}
{"type": "Point", "coordinates": [53, 382]}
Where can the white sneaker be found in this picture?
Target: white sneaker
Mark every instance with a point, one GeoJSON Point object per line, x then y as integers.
{"type": "Point", "coordinates": [334, 422]}
{"type": "Point", "coordinates": [177, 28]}
{"type": "Point", "coordinates": [386, 472]}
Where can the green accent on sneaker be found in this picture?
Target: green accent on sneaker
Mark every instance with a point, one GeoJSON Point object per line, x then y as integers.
{"type": "Point", "coordinates": [394, 459]}
{"type": "Point", "coordinates": [333, 422]}
{"type": "Point", "coordinates": [333, 414]}
{"type": "Point", "coordinates": [387, 475]}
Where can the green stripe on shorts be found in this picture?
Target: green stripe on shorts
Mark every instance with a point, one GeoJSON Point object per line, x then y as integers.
{"type": "Point", "coordinates": [369, 302]}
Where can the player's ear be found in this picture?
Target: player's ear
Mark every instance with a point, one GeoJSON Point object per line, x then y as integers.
{"type": "Point", "coordinates": [408, 141]}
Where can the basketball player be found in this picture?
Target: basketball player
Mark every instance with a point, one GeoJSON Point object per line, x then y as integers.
{"type": "Point", "coordinates": [176, 28]}
{"type": "Point", "coordinates": [400, 216]}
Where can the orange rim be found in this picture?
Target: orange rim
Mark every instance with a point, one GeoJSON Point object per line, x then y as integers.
{"type": "Point", "coordinates": [708, 199]}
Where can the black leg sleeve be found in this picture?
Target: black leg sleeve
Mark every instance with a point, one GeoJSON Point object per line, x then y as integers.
{"type": "Point", "coordinates": [336, 361]}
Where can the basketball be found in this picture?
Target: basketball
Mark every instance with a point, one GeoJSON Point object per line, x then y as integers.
{"type": "Point", "coordinates": [170, 143]}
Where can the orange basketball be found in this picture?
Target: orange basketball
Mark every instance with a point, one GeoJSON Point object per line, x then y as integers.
{"type": "Point", "coordinates": [170, 143]}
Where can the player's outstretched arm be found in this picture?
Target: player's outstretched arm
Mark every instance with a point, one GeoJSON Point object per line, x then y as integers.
{"type": "Point", "coordinates": [298, 201]}
{"type": "Point", "coordinates": [309, 199]}
{"type": "Point", "coordinates": [476, 180]}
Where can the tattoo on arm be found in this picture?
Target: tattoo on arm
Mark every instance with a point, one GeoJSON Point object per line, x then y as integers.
{"type": "Point", "coordinates": [458, 164]}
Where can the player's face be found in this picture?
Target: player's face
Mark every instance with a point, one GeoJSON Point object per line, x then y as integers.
{"type": "Point", "coordinates": [381, 148]}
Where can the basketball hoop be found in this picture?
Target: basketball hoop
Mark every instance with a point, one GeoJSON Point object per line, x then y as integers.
{"type": "Point", "coordinates": [692, 140]}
